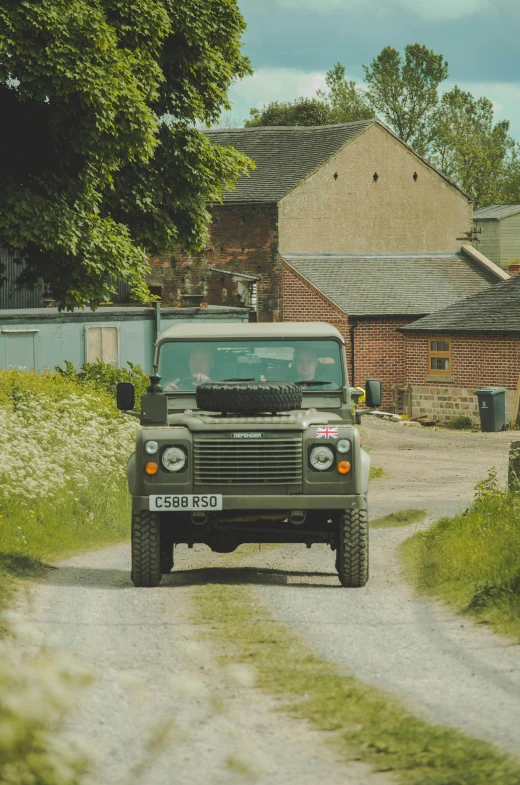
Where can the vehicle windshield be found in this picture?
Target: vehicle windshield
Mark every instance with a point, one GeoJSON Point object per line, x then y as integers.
{"type": "Point", "coordinates": [314, 365]}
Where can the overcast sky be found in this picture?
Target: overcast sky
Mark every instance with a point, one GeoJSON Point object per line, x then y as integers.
{"type": "Point", "coordinates": [292, 43]}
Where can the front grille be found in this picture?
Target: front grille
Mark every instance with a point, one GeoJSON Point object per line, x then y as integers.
{"type": "Point", "coordinates": [251, 462]}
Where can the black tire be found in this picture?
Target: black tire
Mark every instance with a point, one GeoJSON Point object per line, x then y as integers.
{"type": "Point", "coordinates": [167, 548]}
{"type": "Point", "coordinates": [146, 548]}
{"type": "Point", "coordinates": [248, 397]}
{"type": "Point", "coordinates": [352, 550]}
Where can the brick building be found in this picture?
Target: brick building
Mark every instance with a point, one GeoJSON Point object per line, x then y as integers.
{"type": "Point", "coordinates": [341, 223]}
{"type": "Point", "coordinates": [349, 188]}
{"type": "Point", "coordinates": [369, 297]}
{"type": "Point", "coordinates": [455, 351]}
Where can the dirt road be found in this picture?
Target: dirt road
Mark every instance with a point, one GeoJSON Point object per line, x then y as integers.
{"type": "Point", "coordinates": [150, 667]}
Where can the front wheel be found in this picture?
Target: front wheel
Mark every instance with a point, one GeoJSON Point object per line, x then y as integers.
{"type": "Point", "coordinates": [352, 548]}
{"type": "Point", "coordinates": [146, 548]}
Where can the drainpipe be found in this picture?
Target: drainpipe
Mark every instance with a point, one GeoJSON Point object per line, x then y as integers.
{"type": "Point", "coordinates": [352, 353]}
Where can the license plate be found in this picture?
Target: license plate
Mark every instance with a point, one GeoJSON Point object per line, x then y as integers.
{"type": "Point", "coordinates": [204, 502]}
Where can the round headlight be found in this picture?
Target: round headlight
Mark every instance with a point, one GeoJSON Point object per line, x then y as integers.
{"type": "Point", "coordinates": [321, 458]}
{"type": "Point", "coordinates": [343, 445]}
{"type": "Point", "coordinates": [151, 447]}
{"type": "Point", "coordinates": [174, 459]}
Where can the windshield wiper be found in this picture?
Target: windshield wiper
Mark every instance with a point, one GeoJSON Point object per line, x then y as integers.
{"type": "Point", "coordinates": [238, 379]}
{"type": "Point", "coordinates": [316, 383]}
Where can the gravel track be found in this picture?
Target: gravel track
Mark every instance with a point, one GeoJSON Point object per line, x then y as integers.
{"type": "Point", "coordinates": [446, 668]}
{"type": "Point", "coordinates": [151, 667]}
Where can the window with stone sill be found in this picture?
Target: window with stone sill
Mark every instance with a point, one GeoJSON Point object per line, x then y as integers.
{"type": "Point", "coordinates": [439, 356]}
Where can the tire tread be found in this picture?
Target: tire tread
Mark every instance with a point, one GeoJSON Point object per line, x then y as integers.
{"type": "Point", "coordinates": [146, 540]}
{"type": "Point", "coordinates": [352, 552]}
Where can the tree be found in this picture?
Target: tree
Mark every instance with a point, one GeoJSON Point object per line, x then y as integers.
{"type": "Point", "coordinates": [100, 163]}
{"type": "Point", "coordinates": [470, 148]}
{"type": "Point", "coordinates": [347, 103]}
{"type": "Point", "coordinates": [303, 111]}
{"type": "Point", "coordinates": [405, 93]}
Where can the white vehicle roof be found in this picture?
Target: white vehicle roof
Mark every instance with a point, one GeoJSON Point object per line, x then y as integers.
{"type": "Point", "coordinates": [198, 331]}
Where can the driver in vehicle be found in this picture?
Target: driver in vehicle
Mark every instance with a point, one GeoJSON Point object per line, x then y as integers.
{"type": "Point", "coordinates": [200, 364]}
{"type": "Point", "coordinates": [305, 364]}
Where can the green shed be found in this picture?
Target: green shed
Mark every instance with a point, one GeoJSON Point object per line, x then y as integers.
{"type": "Point", "coordinates": [497, 229]}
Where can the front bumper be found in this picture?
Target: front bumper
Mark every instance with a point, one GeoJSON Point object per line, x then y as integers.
{"type": "Point", "coordinates": [291, 502]}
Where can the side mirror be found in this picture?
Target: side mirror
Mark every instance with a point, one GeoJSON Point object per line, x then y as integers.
{"type": "Point", "coordinates": [125, 396]}
{"type": "Point", "coordinates": [373, 390]}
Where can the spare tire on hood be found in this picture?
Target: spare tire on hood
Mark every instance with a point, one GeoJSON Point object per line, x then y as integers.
{"type": "Point", "coordinates": [248, 397]}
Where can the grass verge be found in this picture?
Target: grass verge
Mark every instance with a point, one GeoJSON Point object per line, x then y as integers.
{"type": "Point", "coordinates": [472, 561]}
{"type": "Point", "coordinates": [375, 472]}
{"type": "Point", "coordinates": [367, 724]}
{"type": "Point", "coordinates": [399, 518]}
{"type": "Point", "coordinates": [56, 528]}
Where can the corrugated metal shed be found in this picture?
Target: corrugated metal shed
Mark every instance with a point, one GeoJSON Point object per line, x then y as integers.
{"type": "Point", "coordinates": [42, 338]}
{"type": "Point", "coordinates": [10, 296]}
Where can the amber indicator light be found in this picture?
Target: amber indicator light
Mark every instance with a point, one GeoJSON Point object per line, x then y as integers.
{"type": "Point", "coordinates": [343, 467]}
{"type": "Point", "coordinates": [151, 467]}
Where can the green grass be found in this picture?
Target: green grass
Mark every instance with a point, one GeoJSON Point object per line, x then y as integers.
{"type": "Point", "coordinates": [400, 518]}
{"type": "Point", "coordinates": [363, 722]}
{"type": "Point", "coordinates": [472, 561]}
{"type": "Point", "coordinates": [375, 472]}
{"type": "Point", "coordinates": [52, 529]}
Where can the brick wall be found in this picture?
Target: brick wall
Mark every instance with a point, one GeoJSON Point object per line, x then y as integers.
{"type": "Point", "coordinates": [379, 348]}
{"type": "Point", "coordinates": [477, 361]}
{"type": "Point", "coordinates": [243, 239]}
{"type": "Point", "coordinates": [380, 354]}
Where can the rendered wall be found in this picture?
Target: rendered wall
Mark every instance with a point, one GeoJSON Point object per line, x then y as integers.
{"type": "Point", "coordinates": [354, 214]}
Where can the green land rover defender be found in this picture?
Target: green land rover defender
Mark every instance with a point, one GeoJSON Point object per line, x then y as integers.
{"type": "Point", "coordinates": [248, 435]}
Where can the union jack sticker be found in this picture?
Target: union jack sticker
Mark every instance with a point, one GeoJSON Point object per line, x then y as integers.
{"type": "Point", "coordinates": [325, 432]}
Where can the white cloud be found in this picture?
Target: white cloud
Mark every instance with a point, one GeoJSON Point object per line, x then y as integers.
{"type": "Point", "coordinates": [272, 84]}
{"type": "Point", "coordinates": [429, 10]}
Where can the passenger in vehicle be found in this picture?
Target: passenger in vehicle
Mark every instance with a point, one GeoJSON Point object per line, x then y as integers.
{"type": "Point", "coordinates": [200, 363]}
{"type": "Point", "coordinates": [305, 364]}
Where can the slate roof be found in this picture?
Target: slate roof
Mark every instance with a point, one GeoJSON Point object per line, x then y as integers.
{"type": "Point", "coordinates": [392, 284]}
{"type": "Point", "coordinates": [496, 212]}
{"type": "Point", "coordinates": [283, 155]}
{"type": "Point", "coordinates": [496, 310]}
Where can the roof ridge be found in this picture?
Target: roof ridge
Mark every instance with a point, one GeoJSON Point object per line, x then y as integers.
{"type": "Point", "coordinates": [274, 128]}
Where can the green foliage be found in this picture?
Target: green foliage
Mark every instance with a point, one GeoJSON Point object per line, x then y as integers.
{"type": "Point", "coordinates": [404, 91]}
{"type": "Point", "coordinates": [469, 147]}
{"type": "Point", "coordinates": [473, 560]}
{"type": "Point", "coordinates": [36, 691]}
{"type": "Point", "coordinates": [100, 97]}
{"type": "Point", "coordinates": [347, 102]}
{"type": "Point", "coordinates": [460, 423]}
{"type": "Point", "coordinates": [376, 472]}
{"type": "Point", "coordinates": [303, 111]}
{"type": "Point", "coordinates": [102, 376]}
